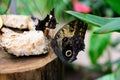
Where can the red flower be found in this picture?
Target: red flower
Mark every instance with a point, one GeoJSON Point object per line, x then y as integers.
{"type": "Point", "coordinates": [79, 7]}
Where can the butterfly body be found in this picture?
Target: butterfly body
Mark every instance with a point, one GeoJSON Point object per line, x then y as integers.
{"type": "Point", "coordinates": [69, 40]}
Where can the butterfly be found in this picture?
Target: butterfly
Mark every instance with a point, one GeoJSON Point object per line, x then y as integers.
{"type": "Point", "coordinates": [69, 40]}
{"type": "Point", "coordinates": [48, 22]}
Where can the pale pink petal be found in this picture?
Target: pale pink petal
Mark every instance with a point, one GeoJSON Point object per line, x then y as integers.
{"type": "Point", "coordinates": [79, 7]}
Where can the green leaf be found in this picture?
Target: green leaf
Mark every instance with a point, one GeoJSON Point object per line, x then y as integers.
{"type": "Point", "coordinates": [108, 77]}
{"type": "Point", "coordinates": [112, 76]}
{"type": "Point", "coordinates": [115, 4]}
{"type": "Point", "coordinates": [98, 44]}
{"type": "Point", "coordinates": [106, 24]}
{"type": "Point", "coordinates": [92, 19]}
{"type": "Point", "coordinates": [117, 74]}
{"type": "Point", "coordinates": [4, 6]}
{"type": "Point", "coordinates": [113, 26]}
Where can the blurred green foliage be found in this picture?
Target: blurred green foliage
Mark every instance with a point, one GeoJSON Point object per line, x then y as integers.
{"type": "Point", "coordinates": [43, 7]}
{"type": "Point", "coordinates": [98, 44]}
{"type": "Point", "coordinates": [112, 76]}
{"type": "Point", "coordinates": [4, 6]}
{"type": "Point", "coordinates": [114, 5]}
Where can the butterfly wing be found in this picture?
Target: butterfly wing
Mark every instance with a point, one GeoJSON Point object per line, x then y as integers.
{"type": "Point", "coordinates": [78, 38]}
{"type": "Point", "coordinates": [56, 49]}
{"type": "Point", "coordinates": [48, 22]}
{"type": "Point", "coordinates": [69, 40]}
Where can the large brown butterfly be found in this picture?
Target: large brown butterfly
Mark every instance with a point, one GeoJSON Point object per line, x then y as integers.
{"type": "Point", "coordinates": [69, 40]}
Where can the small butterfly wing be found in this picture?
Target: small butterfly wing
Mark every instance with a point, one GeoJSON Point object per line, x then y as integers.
{"type": "Point", "coordinates": [48, 22]}
{"type": "Point", "coordinates": [69, 40]}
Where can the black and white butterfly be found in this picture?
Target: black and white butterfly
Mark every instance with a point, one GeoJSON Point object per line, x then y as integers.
{"type": "Point", "coordinates": [69, 40]}
{"type": "Point", "coordinates": [48, 22]}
